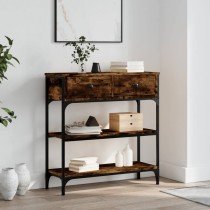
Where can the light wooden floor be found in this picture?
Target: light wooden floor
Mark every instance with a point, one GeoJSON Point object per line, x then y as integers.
{"type": "Point", "coordinates": [126, 195]}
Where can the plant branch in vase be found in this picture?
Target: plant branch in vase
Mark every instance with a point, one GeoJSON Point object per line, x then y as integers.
{"type": "Point", "coordinates": [6, 59]}
{"type": "Point", "coordinates": [81, 51]}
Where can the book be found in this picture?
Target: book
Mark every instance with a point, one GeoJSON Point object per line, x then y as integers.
{"type": "Point", "coordinates": [84, 160]}
{"type": "Point", "coordinates": [79, 169]}
{"type": "Point", "coordinates": [83, 134]}
{"type": "Point", "coordinates": [128, 68]}
{"type": "Point", "coordinates": [83, 130]}
{"type": "Point", "coordinates": [127, 63]}
{"type": "Point", "coordinates": [126, 71]}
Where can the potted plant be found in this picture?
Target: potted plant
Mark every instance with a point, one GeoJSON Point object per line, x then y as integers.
{"type": "Point", "coordinates": [81, 51]}
{"type": "Point", "coordinates": [6, 59]}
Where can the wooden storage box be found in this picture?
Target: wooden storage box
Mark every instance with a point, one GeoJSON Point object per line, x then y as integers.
{"type": "Point", "coordinates": [126, 121]}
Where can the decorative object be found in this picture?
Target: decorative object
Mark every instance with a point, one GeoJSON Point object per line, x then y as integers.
{"type": "Point", "coordinates": [9, 183]}
{"type": "Point", "coordinates": [128, 156]}
{"type": "Point", "coordinates": [5, 60]}
{"type": "Point", "coordinates": [126, 121]}
{"type": "Point", "coordinates": [198, 194]}
{"type": "Point", "coordinates": [99, 21]}
{"type": "Point", "coordinates": [92, 121]}
{"type": "Point", "coordinates": [23, 178]}
{"type": "Point", "coordinates": [96, 68]}
{"type": "Point", "coordinates": [107, 87]}
{"type": "Point", "coordinates": [119, 159]}
{"type": "Point", "coordinates": [81, 51]}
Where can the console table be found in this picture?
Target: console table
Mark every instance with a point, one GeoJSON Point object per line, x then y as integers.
{"type": "Point", "coordinates": [100, 87]}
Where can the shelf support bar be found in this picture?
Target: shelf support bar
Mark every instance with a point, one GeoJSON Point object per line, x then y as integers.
{"type": "Point", "coordinates": [63, 108]}
{"type": "Point", "coordinates": [47, 177]}
{"type": "Point", "coordinates": [157, 173]}
{"type": "Point", "coordinates": [138, 140]}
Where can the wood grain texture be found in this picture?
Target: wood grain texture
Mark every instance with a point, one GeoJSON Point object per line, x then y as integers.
{"type": "Point", "coordinates": [119, 195]}
{"type": "Point", "coordinates": [106, 134]}
{"type": "Point", "coordinates": [84, 87]}
{"type": "Point", "coordinates": [106, 169]}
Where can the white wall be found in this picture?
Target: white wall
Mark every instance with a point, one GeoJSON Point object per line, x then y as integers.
{"type": "Point", "coordinates": [198, 90]}
{"type": "Point", "coordinates": [173, 89]}
{"type": "Point", "coordinates": [31, 24]}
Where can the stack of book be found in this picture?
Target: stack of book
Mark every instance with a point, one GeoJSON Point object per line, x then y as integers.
{"type": "Point", "coordinates": [128, 66]}
{"type": "Point", "coordinates": [84, 164]}
{"type": "Point", "coordinates": [83, 130]}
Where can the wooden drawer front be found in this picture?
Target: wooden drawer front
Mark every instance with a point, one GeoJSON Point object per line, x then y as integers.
{"type": "Point", "coordinates": [83, 87]}
{"type": "Point", "coordinates": [135, 86]}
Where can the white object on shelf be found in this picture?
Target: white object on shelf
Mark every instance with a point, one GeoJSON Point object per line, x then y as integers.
{"type": "Point", "coordinates": [128, 156]}
{"type": "Point", "coordinates": [9, 183]}
{"type": "Point", "coordinates": [86, 168]}
{"type": "Point", "coordinates": [24, 178]}
{"type": "Point", "coordinates": [119, 159]}
{"type": "Point", "coordinates": [84, 160]}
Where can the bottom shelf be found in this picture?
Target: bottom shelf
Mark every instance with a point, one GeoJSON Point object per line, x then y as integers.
{"type": "Point", "coordinates": [105, 169]}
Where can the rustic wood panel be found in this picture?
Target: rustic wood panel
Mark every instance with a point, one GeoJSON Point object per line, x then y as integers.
{"type": "Point", "coordinates": [106, 134]}
{"type": "Point", "coordinates": [137, 86]}
{"type": "Point", "coordinates": [84, 87]}
{"type": "Point", "coordinates": [105, 169]}
{"type": "Point", "coordinates": [87, 87]}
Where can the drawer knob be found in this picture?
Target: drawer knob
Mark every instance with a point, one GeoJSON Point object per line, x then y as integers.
{"type": "Point", "coordinates": [136, 86]}
{"type": "Point", "coordinates": [91, 86]}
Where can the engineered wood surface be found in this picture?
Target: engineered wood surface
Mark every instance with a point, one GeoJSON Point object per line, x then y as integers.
{"type": "Point", "coordinates": [117, 195]}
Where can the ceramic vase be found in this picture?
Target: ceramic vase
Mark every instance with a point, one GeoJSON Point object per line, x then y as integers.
{"type": "Point", "coordinates": [128, 156]}
{"type": "Point", "coordinates": [119, 159]}
{"type": "Point", "coordinates": [9, 183]}
{"type": "Point", "coordinates": [23, 177]}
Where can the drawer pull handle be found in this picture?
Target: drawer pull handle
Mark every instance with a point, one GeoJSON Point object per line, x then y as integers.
{"type": "Point", "coordinates": [131, 123]}
{"type": "Point", "coordinates": [91, 86]}
{"type": "Point", "coordinates": [136, 86]}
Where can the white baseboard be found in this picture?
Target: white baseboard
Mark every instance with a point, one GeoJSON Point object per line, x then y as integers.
{"type": "Point", "coordinates": [174, 172]}
{"type": "Point", "coordinates": [197, 174]}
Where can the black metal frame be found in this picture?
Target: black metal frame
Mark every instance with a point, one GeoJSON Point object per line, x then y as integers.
{"type": "Point", "coordinates": [55, 28]}
{"type": "Point", "coordinates": [64, 104]}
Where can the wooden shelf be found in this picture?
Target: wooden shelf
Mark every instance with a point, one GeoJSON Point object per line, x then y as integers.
{"type": "Point", "coordinates": [106, 134]}
{"type": "Point", "coordinates": [105, 170]}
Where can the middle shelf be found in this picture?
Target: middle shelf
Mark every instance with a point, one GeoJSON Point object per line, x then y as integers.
{"type": "Point", "coordinates": [105, 169]}
{"type": "Point", "coordinates": [106, 134]}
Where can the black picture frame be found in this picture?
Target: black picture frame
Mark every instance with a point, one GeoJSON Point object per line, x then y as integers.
{"type": "Point", "coordinates": [55, 28]}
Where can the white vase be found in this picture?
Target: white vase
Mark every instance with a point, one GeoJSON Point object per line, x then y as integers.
{"type": "Point", "coordinates": [128, 156]}
{"type": "Point", "coordinates": [119, 159]}
{"type": "Point", "coordinates": [23, 177]}
{"type": "Point", "coordinates": [9, 183]}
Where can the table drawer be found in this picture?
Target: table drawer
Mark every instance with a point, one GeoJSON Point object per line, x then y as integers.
{"type": "Point", "coordinates": [89, 87]}
{"type": "Point", "coordinates": [135, 86]}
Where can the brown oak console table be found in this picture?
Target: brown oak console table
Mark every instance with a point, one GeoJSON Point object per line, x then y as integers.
{"type": "Point", "coordinates": [100, 87]}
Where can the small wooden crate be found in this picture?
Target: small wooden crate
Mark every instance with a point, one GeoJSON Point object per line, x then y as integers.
{"type": "Point", "coordinates": [126, 121]}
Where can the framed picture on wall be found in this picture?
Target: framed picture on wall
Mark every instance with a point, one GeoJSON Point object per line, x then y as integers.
{"type": "Point", "coordinates": [97, 20]}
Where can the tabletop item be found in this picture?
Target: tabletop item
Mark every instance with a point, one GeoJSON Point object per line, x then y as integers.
{"type": "Point", "coordinates": [119, 159]}
{"type": "Point", "coordinates": [96, 68]}
{"type": "Point", "coordinates": [128, 156]}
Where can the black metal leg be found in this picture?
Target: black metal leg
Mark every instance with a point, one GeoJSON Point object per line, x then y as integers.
{"type": "Point", "coordinates": [63, 138]}
{"type": "Point", "coordinates": [157, 173]}
{"type": "Point", "coordinates": [157, 176]}
{"type": "Point", "coordinates": [46, 135]}
{"type": "Point", "coordinates": [138, 142]}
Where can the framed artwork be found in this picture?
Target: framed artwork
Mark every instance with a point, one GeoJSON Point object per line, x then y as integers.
{"type": "Point", "coordinates": [97, 20]}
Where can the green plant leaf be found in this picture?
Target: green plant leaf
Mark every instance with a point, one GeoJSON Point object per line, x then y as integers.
{"type": "Point", "coordinates": [10, 41]}
{"type": "Point", "coordinates": [9, 112]}
{"type": "Point", "coordinates": [16, 59]}
{"type": "Point", "coordinates": [9, 56]}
